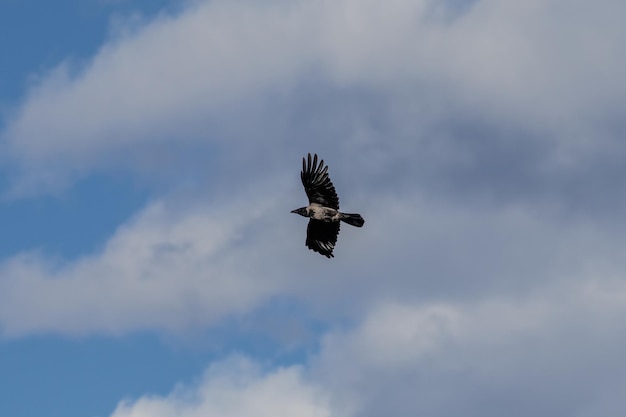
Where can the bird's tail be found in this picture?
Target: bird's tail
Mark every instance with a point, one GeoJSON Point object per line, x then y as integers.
{"type": "Point", "coordinates": [352, 219]}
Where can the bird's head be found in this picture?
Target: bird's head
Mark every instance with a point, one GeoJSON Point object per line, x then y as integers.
{"type": "Point", "coordinates": [301, 211]}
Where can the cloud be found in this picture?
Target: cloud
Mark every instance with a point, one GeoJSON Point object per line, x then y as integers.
{"type": "Point", "coordinates": [174, 266]}
{"type": "Point", "coordinates": [190, 263]}
{"type": "Point", "coordinates": [519, 355]}
{"type": "Point", "coordinates": [481, 140]}
{"type": "Point", "coordinates": [381, 79]}
{"type": "Point", "coordinates": [236, 387]}
{"type": "Point", "coordinates": [551, 352]}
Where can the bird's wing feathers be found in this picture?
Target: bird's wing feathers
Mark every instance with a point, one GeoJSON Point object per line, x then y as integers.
{"type": "Point", "coordinates": [322, 236]}
{"type": "Point", "coordinates": [317, 183]}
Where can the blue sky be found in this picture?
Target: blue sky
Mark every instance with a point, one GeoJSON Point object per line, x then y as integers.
{"type": "Point", "coordinates": [151, 155]}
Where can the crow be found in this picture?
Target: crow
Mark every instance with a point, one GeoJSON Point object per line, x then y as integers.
{"type": "Point", "coordinates": [323, 208]}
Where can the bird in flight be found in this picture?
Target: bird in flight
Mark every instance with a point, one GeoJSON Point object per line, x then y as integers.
{"type": "Point", "coordinates": [323, 209]}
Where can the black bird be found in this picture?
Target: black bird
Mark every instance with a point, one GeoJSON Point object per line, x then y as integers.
{"type": "Point", "coordinates": [323, 208]}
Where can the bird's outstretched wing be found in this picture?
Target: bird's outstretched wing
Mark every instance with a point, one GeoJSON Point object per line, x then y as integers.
{"type": "Point", "coordinates": [322, 236]}
{"type": "Point", "coordinates": [317, 183]}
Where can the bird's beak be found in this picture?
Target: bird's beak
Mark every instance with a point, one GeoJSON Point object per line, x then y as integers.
{"type": "Point", "coordinates": [294, 211]}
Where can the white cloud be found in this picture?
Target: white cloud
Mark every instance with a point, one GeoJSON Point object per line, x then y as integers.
{"type": "Point", "coordinates": [223, 72]}
{"type": "Point", "coordinates": [547, 353]}
{"type": "Point", "coordinates": [555, 351]}
{"type": "Point", "coordinates": [181, 265]}
{"type": "Point", "coordinates": [236, 388]}
{"type": "Point", "coordinates": [474, 142]}
{"type": "Point", "coordinates": [176, 265]}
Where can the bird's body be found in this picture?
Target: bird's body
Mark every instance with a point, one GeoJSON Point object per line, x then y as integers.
{"type": "Point", "coordinates": [319, 212]}
{"type": "Point", "coordinates": [323, 209]}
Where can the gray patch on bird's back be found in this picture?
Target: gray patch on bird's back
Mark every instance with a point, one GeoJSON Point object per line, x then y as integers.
{"type": "Point", "coordinates": [319, 212]}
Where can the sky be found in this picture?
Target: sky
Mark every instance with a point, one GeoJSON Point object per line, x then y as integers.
{"type": "Point", "coordinates": [150, 155]}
